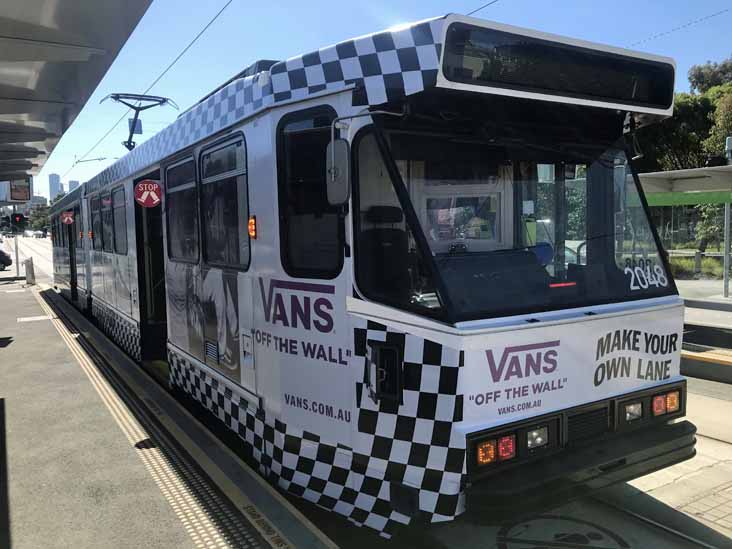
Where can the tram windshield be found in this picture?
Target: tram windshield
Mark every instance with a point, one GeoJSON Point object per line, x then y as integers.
{"type": "Point", "coordinates": [512, 226]}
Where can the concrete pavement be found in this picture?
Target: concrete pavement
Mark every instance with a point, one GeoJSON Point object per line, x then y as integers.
{"type": "Point", "coordinates": [73, 479]}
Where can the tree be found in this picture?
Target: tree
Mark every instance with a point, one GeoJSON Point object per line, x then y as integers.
{"type": "Point", "coordinates": [705, 76]}
{"type": "Point", "coordinates": [58, 197]}
{"type": "Point", "coordinates": [709, 228]}
{"type": "Point", "coordinates": [678, 142]}
{"type": "Point", "coordinates": [39, 218]}
{"type": "Point", "coordinates": [714, 144]}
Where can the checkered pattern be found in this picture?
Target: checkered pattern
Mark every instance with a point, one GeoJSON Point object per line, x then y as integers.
{"type": "Point", "coordinates": [123, 331]}
{"type": "Point", "coordinates": [379, 67]}
{"type": "Point", "coordinates": [412, 444]}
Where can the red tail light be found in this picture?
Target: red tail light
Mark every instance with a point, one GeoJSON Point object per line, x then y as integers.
{"type": "Point", "coordinates": [659, 405]}
{"type": "Point", "coordinates": [507, 447]}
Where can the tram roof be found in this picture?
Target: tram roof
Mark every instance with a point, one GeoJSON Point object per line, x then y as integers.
{"type": "Point", "coordinates": [379, 68]}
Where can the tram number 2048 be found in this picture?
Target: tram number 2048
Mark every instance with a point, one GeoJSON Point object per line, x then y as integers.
{"type": "Point", "coordinates": [644, 274]}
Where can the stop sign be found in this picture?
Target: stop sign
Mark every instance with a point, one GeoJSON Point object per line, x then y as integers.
{"type": "Point", "coordinates": [148, 193]}
{"type": "Point", "coordinates": [67, 218]}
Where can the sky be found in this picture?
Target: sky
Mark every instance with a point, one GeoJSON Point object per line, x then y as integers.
{"type": "Point", "coordinates": [248, 31]}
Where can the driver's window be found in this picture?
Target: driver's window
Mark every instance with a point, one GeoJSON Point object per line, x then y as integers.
{"type": "Point", "coordinates": [389, 266]}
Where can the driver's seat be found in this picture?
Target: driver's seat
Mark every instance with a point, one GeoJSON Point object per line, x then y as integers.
{"type": "Point", "coordinates": [383, 266]}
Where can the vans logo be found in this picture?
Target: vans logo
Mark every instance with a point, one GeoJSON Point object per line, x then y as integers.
{"type": "Point", "coordinates": [524, 361]}
{"type": "Point", "coordinates": [297, 310]}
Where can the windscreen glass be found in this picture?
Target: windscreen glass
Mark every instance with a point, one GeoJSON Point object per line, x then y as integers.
{"type": "Point", "coordinates": [514, 226]}
{"type": "Point", "coordinates": [496, 58]}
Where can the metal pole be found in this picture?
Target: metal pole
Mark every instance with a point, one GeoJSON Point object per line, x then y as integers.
{"type": "Point", "coordinates": [17, 261]}
{"type": "Point", "coordinates": [726, 248]}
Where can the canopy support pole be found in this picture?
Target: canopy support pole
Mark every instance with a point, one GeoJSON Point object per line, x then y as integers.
{"type": "Point", "coordinates": [726, 248]}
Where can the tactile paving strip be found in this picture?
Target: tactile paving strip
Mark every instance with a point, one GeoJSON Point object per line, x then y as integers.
{"type": "Point", "coordinates": [210, 519]}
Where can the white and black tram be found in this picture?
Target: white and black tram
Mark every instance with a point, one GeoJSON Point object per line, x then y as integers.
{"type": "Point", "coordinates": [413, 271]}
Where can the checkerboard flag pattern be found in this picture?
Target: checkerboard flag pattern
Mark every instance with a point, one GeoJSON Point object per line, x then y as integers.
{"type": "Point", "coordinates": [383, 67]}
{"type": "Point", "coordinates": [380, 67]}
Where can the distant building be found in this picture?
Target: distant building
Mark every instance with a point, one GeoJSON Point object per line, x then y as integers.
{"type": "Point", "coordinates": [54, 185]}
{"type": "Point", "coordinates": [35, 202]}
{"type": "Point", "coordinates": [73, 185]}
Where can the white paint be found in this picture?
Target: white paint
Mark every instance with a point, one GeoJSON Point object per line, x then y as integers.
{"type": "Point", "coordinates": [33, 318]}
{"type": "Point", "coordinates": [14, 291]}
{"type": "Point", "coordinates": [499, 391]}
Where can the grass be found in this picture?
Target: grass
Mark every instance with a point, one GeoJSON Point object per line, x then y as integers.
{"type": "Point", "coordinates": [683, 267]}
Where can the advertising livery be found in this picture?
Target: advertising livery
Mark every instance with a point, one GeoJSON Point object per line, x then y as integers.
{"type": "Point", "coordinates": [414, 271]}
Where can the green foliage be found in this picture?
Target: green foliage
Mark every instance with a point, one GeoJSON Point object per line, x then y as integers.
{"type": "Point", "coordinates": [707, 75]}
{"type": "Point", "coordinates": [714, 144]}
{"type": "Point", "coordinates": [677, 143]}
{"type": "Point", "coordinates": [59, 196]}
{"type": "Point", "coordinates": [711, 222]}
{"type": "Point", "coordinates": [683, 267]}
{"type": "Point", "coordinates": [38, 218]}
{"type": "Point", "coordinates": [716, 93]}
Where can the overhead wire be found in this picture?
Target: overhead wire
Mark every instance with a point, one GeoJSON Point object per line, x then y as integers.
{"type": "Point", "coordinates": [170, 66]}
{"type": "Point", "coordinates": [680, 27]}
{"type": "Point", "coordinates": [482, 7]}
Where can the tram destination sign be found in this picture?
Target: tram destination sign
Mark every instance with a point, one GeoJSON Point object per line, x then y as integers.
{"type": "Point", "coordinates": [148, 193]}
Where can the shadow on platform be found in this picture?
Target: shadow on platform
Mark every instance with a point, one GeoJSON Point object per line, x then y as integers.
{"type": "Point", "coordinates": [4, 502]}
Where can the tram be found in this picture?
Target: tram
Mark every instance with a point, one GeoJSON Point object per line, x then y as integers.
{"type": "Point", "coordinates": [413, 271]}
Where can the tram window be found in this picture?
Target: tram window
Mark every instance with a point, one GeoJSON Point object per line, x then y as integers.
{"type": "Point", "coordinates": [224, 206]}
{"type": "Point", "coordinates": [107, 230]}
{"type": "Point", "coordinates": [119, 218]}
{"type": "Point", "coordinates": [182, 212]}
{"type": "Point", "coordinates": [310, 228]}
{"type": "Point", "coordinates": [96, 217]}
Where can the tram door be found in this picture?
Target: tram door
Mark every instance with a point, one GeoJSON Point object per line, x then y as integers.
{"type": "Point", "coordinates": [151, 277]}
{"type": "Point", "coordinates": [71, 239]}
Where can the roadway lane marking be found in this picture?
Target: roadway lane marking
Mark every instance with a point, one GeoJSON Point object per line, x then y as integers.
{"type": "Point", "coordinates": [204, 514]}
{"type": "Point", "coordinates": [33, 318]}
{"type": "Point", "coordinates": [14, 291]}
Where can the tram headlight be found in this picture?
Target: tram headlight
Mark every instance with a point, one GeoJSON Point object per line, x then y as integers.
{"type": "Point", "coordinates": [536, 438]}
{"type": "Point", "coordinates": [633, 411]}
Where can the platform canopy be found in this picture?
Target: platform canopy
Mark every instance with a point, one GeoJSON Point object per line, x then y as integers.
{"type": "Point", "coordinates": [711, 185]}
{"type": "Point", "coordinates": [53, 54]}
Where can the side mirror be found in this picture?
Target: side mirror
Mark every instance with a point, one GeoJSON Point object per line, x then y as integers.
{"type": "Point", "coordinates": [338, 175]}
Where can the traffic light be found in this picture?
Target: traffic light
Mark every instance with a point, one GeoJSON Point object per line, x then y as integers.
{"type": "Point", "coordinates": [18, 221]}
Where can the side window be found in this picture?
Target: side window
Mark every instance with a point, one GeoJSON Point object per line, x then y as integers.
{"type": "Point", "coordinates": [224, 206]}
{"type": "Point", "coordinates": [96, 223]}
{"type": "Point", "coordinates": [107, 232]}
{"type": "Point", "coordinates": [181, 211]}
{"type": "Point", "coordinates": [310, 229]}
{"type": "Point", "coordinates": [119, 217]}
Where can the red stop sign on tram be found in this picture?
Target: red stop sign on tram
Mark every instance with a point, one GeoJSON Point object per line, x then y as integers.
{"type": "Point", "coordinates": [67, 218]}
{"type": "Point", "coordinates": [148, 193]}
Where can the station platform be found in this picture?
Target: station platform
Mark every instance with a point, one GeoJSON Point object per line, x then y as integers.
{"type": "Point", "coordinates": [94, 453]}
{"type": "Point", "coordinates": [83, 464]}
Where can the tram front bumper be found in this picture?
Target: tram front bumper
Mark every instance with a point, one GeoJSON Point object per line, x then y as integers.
{"type": "Point", "coordinates": [577, 472]}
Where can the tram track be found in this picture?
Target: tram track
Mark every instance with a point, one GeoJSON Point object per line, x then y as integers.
{"type": "Point", "coordinates": [696, 542]}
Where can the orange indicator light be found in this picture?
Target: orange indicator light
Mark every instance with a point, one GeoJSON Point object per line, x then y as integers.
{"type": "Point", "coordinates": [252, 226]}
{"type": "Point", "coordinates": [486, 452]}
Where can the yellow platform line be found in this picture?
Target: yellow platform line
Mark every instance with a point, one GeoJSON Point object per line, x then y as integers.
{"type": "Point", "coordinates": [161, 464]}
